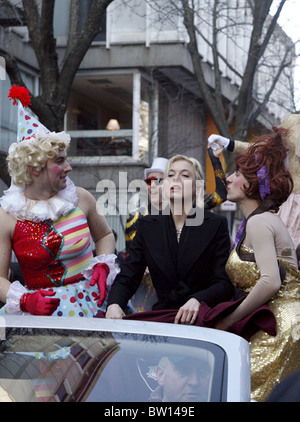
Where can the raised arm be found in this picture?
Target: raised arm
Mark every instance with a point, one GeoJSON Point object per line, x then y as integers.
{"type": "Point", "coordinates": [216, 198]}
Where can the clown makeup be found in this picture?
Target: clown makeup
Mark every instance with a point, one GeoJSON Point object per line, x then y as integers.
{"type": "Point", "coordinates": [53, 176]}
{"type": "Point", "coordinates": [236, 183]}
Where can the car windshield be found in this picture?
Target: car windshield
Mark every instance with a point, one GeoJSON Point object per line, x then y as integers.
{"type": "Point", "coordinates": [97, 366]}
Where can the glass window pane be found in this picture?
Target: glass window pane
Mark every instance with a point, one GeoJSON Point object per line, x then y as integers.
{"type": "Point", "coordinates": [58, 365]}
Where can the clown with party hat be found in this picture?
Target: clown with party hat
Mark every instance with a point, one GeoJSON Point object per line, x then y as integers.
{"type": "Point", "coordinates": [27, 124]}
{"type": "Point", "coordinates": [50, 223]}
{"type": "Point", "coordinates": [29, 132]}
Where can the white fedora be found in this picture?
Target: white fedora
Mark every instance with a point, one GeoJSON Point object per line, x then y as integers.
{"type": "Point", "coordinates": [159, 164]}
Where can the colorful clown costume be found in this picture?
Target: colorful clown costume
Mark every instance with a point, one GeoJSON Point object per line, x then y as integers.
{"type": "Point", "coordinates": [55, 253]}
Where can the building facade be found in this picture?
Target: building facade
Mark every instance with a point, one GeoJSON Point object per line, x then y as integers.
{"type": "Point", "coordinates": [135, 95]}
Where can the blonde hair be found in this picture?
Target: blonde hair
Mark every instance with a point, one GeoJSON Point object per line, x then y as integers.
{"type": "Point", "coordinates": [199, 174]}
{"type": "Point", "coordinates": [34, 152]}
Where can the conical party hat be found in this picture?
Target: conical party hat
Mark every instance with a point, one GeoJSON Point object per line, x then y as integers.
{"type": "Point", "coordinates": [27, 124]}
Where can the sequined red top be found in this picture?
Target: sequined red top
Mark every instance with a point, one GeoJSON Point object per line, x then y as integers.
{"type": "Point", "coordinates": [50, 253]}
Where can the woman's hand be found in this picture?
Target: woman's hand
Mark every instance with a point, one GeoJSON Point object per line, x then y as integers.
{"type": "Point", "coordinates": [216, 140]}
{"type": "Point", "coordinates": [218, 150]}
{"type": "Point", "coordinates": [188, 313]}
{"type": "Point", "coordinates": [114, 311]}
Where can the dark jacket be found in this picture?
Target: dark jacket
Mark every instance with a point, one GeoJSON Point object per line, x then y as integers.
{"type": "Point", "coordinates": [194, 267]}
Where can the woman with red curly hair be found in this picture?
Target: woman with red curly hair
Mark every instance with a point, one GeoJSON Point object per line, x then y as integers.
{"type": "Point", "coordinates": [263, 262]}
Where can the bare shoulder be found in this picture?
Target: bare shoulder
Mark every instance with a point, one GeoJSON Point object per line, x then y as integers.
{"type": "Point", "coordinates": [7, 222]}
{"type": "Point", "coordinates": [84, 195]}
{"type": "Point", "coordinates": [97, 222]}
{"type": "Point", "coordinates": [86, 201]}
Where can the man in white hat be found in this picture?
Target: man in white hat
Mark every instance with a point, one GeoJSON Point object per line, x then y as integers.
{"type": "Point", "coordinates": [153, 177]}
{"type": "Point", "coordinates": [158, 166]}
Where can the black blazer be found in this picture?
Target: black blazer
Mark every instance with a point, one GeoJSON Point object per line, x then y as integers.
{"type": "Point", "coordinates": [194, 267]}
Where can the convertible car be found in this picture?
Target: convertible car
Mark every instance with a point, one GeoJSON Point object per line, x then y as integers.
{"type": "Point", "coordinates": [52, 359]}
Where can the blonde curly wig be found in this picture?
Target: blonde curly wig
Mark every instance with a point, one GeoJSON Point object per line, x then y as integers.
{"type": "Point", "coordinates": [34, 152]}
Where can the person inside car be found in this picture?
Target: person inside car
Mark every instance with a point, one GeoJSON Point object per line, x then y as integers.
{"type": "Point", "coordinates": [182, 379]}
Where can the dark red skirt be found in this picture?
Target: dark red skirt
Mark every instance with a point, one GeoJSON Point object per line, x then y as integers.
{"type": "Point", "coordinates": [260, 319]}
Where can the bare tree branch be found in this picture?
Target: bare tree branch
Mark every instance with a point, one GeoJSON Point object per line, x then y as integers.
{"type": "Point", "coordinates": [56, 82]}
{"type": "Point", "coordinates": [207, 93]}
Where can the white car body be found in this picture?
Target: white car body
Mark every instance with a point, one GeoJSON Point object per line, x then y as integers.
{"type": "Point", "coordinates": [237, 349]}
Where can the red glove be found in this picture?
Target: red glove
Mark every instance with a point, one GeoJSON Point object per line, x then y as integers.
{"type": "Point", "coordinates": [38, 303]}
{"type": "Point", "coordinates": [99, 276]}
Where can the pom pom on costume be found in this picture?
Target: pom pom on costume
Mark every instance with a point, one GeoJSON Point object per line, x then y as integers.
{"type": "Point", "coordinates": [27, 124]}
{"type": "Point", "coordinates": [20, 93]}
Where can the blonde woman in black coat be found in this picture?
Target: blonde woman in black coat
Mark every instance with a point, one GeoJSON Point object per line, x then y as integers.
{"type": "Point", "coordinates": [185, 248]}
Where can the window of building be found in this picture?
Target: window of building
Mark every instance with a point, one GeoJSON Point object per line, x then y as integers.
{"type": "Point", "coordinates": [109, 115]}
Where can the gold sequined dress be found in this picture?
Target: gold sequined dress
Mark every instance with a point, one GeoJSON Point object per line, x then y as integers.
{"type": "Point", "coordinates": [272, 358]}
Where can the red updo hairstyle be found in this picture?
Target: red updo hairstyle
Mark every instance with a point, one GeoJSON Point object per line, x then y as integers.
{"type": "Point", "coordinates": [268, 150]}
